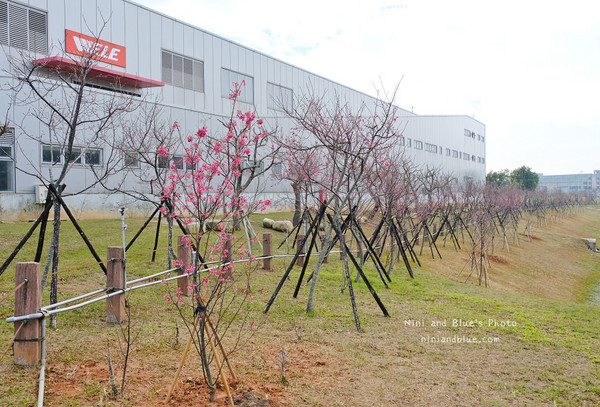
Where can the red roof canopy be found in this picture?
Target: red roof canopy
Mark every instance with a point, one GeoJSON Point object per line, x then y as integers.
{"type": "Point", "coordinates": [105, 74]}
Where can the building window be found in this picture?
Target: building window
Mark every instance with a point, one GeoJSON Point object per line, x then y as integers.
{"type": "Point", "coordinates": [432, 148]}
{"type": "Point", "coordinates": [51, 154]}
{"type": "Point", "coordinates": [277, 169]}
{"type": "Point", "coordinates": [259, 166]}
{"type": "Point", "coordinates": [455, 153]}
{"type": "Point", "coordinates": [131, 159]}
{"type": "Point", "coordinates": [230, 79]}
{"type": "Point", "coordinates": [418, 144]}
{"type": "Point", "coordinates": [7, 163]}
{"type": "Point", "coordinates": [441, 150]}
{"type": "Point", "coordinates": [473, 158]}
{"type": "Point", "coordinates": [483, 139]}
{"type": "Point", "coordinates": [75, 157]}
{"type": "Point", "coordinates": [79, 155]}
{"type": "Point", "coordinates": [92, 156]}
{"type": "Point", "coordinates": [466, 156]}
{"type": "Point", "coordinates": [408, 142]}
{"type": "Point", "coordinates": [448, 152]}
{"type": "Point", "coordinates": [467, 133]}
{"type": "Point", "coordinates": [23, 27]}
{"type": "Point", "coordinates": [279, 97]}
{"type": "Point", "coordinates": [182, 72]}
{"type": "Point", "coordinates": [176, 161]}
{"type": "Point", "coordinates": [163, 162]}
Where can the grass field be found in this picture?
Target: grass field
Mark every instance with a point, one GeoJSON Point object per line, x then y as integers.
{"type": "Point", "coordinates": [537, 331]}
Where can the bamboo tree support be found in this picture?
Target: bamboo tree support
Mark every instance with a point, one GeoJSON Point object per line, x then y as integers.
{"type": "Point", "coordinates": [62, 203]}
{"type": "Point", "coordinates": [139, 232]}
{"type": "Point", "coordinates": [359, 269]}
{"type": "Point", "coordinates": [218, 361]}
{"type": "Point", "coordinates": [10, 343]}
{"type": "Point", "coordinates": [401, 248]}
{"type": "Point", "coordinates": [291, 265]}
{"type": "Point", "coordinates": [25, 238]}
{"type": "Point", "coordinates": [42, 235]}
{"type": "Point", "coordinates": [372, 253]}
{"type": "Point", "coordinates": [156, 236]}
{"type": "Point", "coordinates": [350, 288]}
{"type": "Point", "coordinates": [219, 343]}
{"type": "Point", "coordinates": [206, 321]}
{"type": "Point", "coordinates": [183, 357]}
{"type": "Point", "coordinates": [314, 227]}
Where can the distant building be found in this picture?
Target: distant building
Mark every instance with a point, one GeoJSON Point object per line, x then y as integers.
{"type": "Point", "coordinates": [570, 182]}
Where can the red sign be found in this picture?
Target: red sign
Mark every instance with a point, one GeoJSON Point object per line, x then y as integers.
{"type": "Point", "coordinates": [103, 51]}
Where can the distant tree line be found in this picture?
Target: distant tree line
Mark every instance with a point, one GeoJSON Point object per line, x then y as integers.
{"type": "Point", "coordinates": [522, 177]}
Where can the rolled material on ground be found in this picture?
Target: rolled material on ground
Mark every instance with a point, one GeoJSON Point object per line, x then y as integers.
{"type": "Point", "coordinates": [283, 226]}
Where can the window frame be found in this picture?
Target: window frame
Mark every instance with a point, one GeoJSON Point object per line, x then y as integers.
{"type": "Point", "coordinates": [81, 158]}
{"type": "Point", "coordinates": [285, 96]}
{"type": "Point", "coordinates": [9, 158]}
{"type": "Point", "coordinates": [29, 31]}
{"type": "Point", "coordinates": [177, 78]}
{"type": "Point", "coordinates": [134, 159]}
{"type": "Point", "coordinates": [229, 78]}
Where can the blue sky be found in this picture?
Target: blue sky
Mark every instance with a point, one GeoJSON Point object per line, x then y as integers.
{"type": "Point", "coordinates": [528, 69]}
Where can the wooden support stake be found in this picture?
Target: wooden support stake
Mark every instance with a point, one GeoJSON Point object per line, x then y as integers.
{"type": "Point", "coordinates": [115, 280]}
{"type": "Point", "coordinates": [28, 300]}
{"type": "Point", "coordinates": [299, 239]}
{"type": "Point", "coordinates": [184, 254]}
{"type": "Point", "coordinates": [267, 251]}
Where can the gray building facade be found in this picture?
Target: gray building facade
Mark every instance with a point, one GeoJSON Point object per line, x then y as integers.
{"type": "Point", "coordinates": [189, 72]}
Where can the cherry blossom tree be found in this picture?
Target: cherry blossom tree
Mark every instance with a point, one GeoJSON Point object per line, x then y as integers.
{"type": "Point", "coordinates": [346, 140]}
{"type": "Point", "coordinates": [207, 190]}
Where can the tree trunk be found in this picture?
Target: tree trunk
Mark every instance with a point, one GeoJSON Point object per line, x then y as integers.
{"type": "Point", "coordinates": [205, 364]}
{"type": "Point", "coordinates": [54, 276]}
{"type": "Point", "coordinates": [297, 203]}
{"type": "Point", "coordinates": [310, 306]}
{"type": "Point", "coordinates": [171, 252]}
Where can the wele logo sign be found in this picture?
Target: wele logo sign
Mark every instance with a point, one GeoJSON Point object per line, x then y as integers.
{"type": "Point", "coordinates": [103, 51]}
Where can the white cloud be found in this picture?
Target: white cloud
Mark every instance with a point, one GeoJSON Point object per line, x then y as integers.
{"type": "Point", "coordinates": [527, 69]}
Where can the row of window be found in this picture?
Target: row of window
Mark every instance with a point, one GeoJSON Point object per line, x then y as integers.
{"type": "Point", "coordinates": [79, 155]}
{"type": "Point", "coordinates": [188, 73]}
{"type": "Point", "coordinates": [23, 27]}
{"type": "Point", "coordinates": [26, 28]}
{"type": "Point", "coordinates": [469, 133]}
{"type": "Point", "coordinates": [433, 148]}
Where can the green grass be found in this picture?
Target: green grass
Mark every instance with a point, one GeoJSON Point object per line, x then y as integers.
{"type": "Point", "coordinates": [548, 353]}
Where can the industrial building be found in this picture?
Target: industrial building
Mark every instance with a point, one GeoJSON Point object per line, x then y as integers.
{"type": "Point", "coordinates": [570, 182]}
{"type": "Point", "coordinates": [190, 72]}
